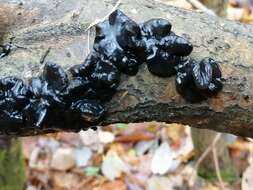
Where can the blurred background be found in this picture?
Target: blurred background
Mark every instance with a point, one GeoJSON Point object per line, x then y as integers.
{"type": "Point", "coordinates": [152, 156]}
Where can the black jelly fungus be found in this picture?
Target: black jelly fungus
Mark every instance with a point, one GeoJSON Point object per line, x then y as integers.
{"type": "Point", "coordinates": [185, 82]}
{"type": "Point", "coordinates": [105, 75]}
{"type": "Point", "coordinates": [76, 89]}
{"type": "Point", "coordinates": [35, 113]}
{"type": "Point", "coordinates": [5, 50]}
{"type": "Point", "coordinates": [198, 81]}
{"type": "Point", "coordinates": [55, 76]}
{"type": "Point", "coordinates": [117, 39]}
{"type": "Point", "coordinates": [75, 99]}
{"type": "Point", "coordinates": [156, 28]}
{"type": "Point", "coordinates": [176, 45]}
{"type": "Point", "coordinates": [88, 110]}
{"type": "Point", "coordinates": [163, 49]}
{"type": "Point", "coordinates": [162, 63]}
{"type": "Point", "coordinates": [87, 67]}
{"type": "Point", "coordinates": [207, 76]}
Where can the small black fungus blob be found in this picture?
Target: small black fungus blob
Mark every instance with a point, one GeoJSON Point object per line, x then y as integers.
{"type": "Point", "coordinates": [207, 76]}
{"type": "Point", "coordinates": [88, 110]}
{"type": "Point", "coordinates": [198, 81]}
{"type": "Point", "coordinates": [55, 76]}
{"type": "Point", "coordinates": [87, 67]}
{"type": "Point", "coordinates": [5, 50]}
{"type": "Point", "coordinates": [117, 40]}
{"type": "Point", "coordinates": [163, 49]}
{"type": "Point", "coordinates": [76, 90]}
{"type": "Point", "coordinates": [74, 100]}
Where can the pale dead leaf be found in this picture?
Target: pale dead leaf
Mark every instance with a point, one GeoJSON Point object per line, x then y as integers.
{"type": "Point", "coordinates": [63, 159]}
{"type": "Point", "coordinates": [163, 161]}
{"type": "Point", "coordinates": [105, 136]}
{"type": "Point", "coordinates": [143, 146]}
{"type": "Point", "coordinates": [89, 137]}
{"type": "Point", "coordinates": [82, 156]}
{"type": "Point", "coordinates": [159, 183]}
{"type": "Point", "coordinates": [117, 184]}
{"type": "Point", "coordinates": [247, 178]}
{"type": "Point", "coordinates": [113, 166]}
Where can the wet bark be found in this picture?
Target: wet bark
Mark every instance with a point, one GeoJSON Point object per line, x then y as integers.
{"type": "Point", "coordinates": [62, 28]}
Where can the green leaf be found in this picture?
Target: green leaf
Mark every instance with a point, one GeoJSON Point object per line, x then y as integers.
{"type": "Point", "coordinates": [91, 171]}
{"type": "Point", "coordinates": [121, 125]}
{"type": "Point", "coordinates": [131, 152]}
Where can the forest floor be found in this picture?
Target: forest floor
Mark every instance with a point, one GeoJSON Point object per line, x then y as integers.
{"type": "Point", "coordinates": [152, 156]}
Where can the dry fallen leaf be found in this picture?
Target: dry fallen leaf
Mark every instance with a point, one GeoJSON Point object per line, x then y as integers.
{"type": "Point", "coordinates": [163, 160]}
{"type": "Point", "coordinates": [63, 159]}
{"type": "Point", "coordinates": [247, 178]}
{"type": "Point", "coordinates": [82, 156]}
{"type": "Point", "coordinates": [159, 183]}
{"type": "Point", "coordinates": [112, 166]}
{"type": "Point", "coordinates": [176, 132]}
{"type": "Point", "coordinates": [62, 180]}
{"type": "Point", "coordinates": [105, 136]}
{"type": "Point", "coordinates": [134, 137]}
{"type": "Point", "coordinates": [211, 187]}
{"type": "Point", "coordinates": [117, 185]}
{"type": "Point", "coordinates": [89, 137]}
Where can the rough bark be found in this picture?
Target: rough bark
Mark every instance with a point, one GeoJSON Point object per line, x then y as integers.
{"type": "Point", "coordinates": [61, 26]}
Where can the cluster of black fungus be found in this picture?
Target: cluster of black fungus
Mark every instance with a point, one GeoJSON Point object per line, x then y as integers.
{"type": "Point", "coordinates": [51, 100]}
{"type": "Point", "coordinates": [198, 81]}
{"type": "Point", "coordinates": [75, 100]}
{"type": "Point", "coordinates": [166, 54]}
{"type": "Point", "coordinates": [163, 48]}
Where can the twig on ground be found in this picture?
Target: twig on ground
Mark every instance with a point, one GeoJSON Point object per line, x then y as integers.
{"type": "Point", "coordinates": [203, 156]}
{"type": "Point", "coordinates": [98, 21]}
{"type": "Point", "coordinates": [207, 151]}
{"type": "Point", "coordinates": [200, 6]}
{"type": "Point", "coordinates": [217, 167]}
{"type": "Point", "coordinates": [88, 42]}
{"type": "Point", "coordinates": [105, 17]}
{"type": "Point", "coordinates": [43, 57]}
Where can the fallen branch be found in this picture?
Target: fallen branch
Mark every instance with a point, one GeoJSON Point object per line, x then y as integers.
{"type": "Point", "coordinates": [217, 168]}
{"type": "Point", "coordinates": [145, 97]}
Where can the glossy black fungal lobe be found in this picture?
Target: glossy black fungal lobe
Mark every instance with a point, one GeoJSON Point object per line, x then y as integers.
{"type": "Point", "coordinates": [5, 50]}
{"type": "Point", "coordinates": [88, 110]}
{"type": "Point", "coordinates": [163, 49]}
{"type": "Point", "coordinates": [198, 81]}
{"type": "Point", "coordinates": [74, 100]}
{"type": "Point", "coordinates": [117, 39]}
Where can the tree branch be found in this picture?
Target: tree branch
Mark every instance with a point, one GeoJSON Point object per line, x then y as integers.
{"type": "Point", "coordinates": [145, 97]}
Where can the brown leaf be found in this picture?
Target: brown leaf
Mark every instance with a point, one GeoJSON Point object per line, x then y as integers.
{"type": "Point", "coordinates": [134, 137]}
{"type": "Point", "coordinates": [176, 132]}
{"type": "Point", "coordinates": [118, 184]}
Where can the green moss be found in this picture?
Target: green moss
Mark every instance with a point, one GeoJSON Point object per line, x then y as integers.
{"type": "Point", "coordinates": [12, 173]}
{"type": "Point", "coordinates": [227, 175]}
